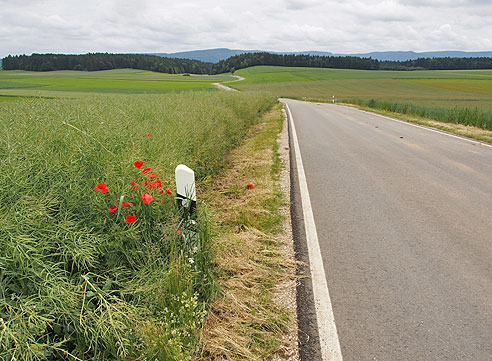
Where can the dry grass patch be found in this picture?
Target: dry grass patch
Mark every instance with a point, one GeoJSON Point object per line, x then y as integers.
{"type": "Point", "coordinates": [246, 322]}
{"type": "Point", "coordinates": [460, 129]}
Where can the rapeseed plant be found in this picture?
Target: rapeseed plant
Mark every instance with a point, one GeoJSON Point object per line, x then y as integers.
{"type": "Point", "coordinates": [80, 282]}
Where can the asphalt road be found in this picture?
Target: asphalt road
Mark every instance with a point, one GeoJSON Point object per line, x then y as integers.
{"type": "Point", "coordinates": [404, 221]}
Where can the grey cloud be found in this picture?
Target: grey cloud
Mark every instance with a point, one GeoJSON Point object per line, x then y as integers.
{"type": "Point", "coordinates": [301, 4]}
{"type": "Point", "coordinates": [445, 3]}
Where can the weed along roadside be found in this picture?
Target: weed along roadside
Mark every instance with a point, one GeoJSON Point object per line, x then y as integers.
{"type": "Point", "coordinates": [94, 262]}
{"type": "Point", "coordinates": [254, 315]}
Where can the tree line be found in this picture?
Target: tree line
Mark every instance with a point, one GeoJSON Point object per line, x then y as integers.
{"type": "Point", "coordinates": [438, 64]}
{"type": "Point", "coordinates": [106, 61]}
{"type": "Point", "coordinates": [252, 59]}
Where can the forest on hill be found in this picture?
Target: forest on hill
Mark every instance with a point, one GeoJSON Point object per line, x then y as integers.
{"type": "Point", "coordinates": [438, 64]}
{"type": "Point", "coordinates": [106, 61]}
{"type": "Point", "coordinates": [253, 59]}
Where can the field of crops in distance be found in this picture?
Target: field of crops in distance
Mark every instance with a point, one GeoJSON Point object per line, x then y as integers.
{"type": "Point", "coordinates": [443, 89]}
{"type": "Point", "coordinates": [16, 83]}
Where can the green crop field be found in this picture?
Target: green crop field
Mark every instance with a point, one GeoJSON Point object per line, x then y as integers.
{"type": "Point", "coordinates": [84, 275]}
{"type": "Point", "coordinates": [120, 81]}
{"type": "Point", "coordinates": [473, 86]}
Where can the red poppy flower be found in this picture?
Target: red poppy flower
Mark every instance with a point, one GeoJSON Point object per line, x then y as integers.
{"type": "Point", "coordinates": [169, 191]}
{"type": "Point", "coordinates": [130, 218]}
{"type": "Point", "coordinates": [148, 135]}
{"type": "Point", "coordinates": [146, 170]}
{"type": "Point", "coordinates": [148, 184]}
{"type": "Point", "coordinates": [79, 296]}
{"type": "Point", "coordinates": [138, 164]}
{"type": "Point", "coordinates": [102, 187]}
{"type": "Point", "coordinates": [250, 186]}
{"type": "Point", "coordinates": [179, 232]}
{"type": "Point", "coordinates": [146, 198]}
{"type": "Point", "coordinates": [152, 175]}
{"type": "Point", "coordinates": [134, 185]}
{"type": "Point", "coordinates": [113, 209]}
{"type": "Point", "coordinates": [127, 204]}
{"type": "Point", "coordinates": [157, 184]}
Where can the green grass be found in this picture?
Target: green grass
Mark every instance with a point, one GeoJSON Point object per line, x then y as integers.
{"type": "Point", "coordinates": [78, 282]}
{"type": "Point", "coordinates": [9, 98]}
{"type": "Point", "coordinates": [78, 83]}
{"type": "Point", "coordinates": [474, 86]}
{"type": "Point", "coordinates": [276, 74]}
{"type": "Point", "coordinates": [466, 116]}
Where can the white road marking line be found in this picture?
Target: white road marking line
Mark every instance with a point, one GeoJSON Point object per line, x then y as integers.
{"type": "Point", "coordinates": [330, 345]}
{"type": "Point", "coordinates": [422, 127]}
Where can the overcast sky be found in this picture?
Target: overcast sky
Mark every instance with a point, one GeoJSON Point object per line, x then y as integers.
{"type": "Point", "coordinates": [343, 26]}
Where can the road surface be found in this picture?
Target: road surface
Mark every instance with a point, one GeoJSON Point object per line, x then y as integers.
{"type": "Point", "coordinates": [404, 221]}
{"type": "Point", "coordinates": [224, 87]}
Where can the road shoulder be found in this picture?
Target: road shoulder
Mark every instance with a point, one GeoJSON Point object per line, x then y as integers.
{"type": "Point", "coordinates": [254, 316]}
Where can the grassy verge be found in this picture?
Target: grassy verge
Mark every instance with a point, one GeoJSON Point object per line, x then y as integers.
{"type": "Point", "coordinates": [469, 131]}
{"type": "Point", "coordinates": [79, 282]}
{"type": "Point", "coordinates": [245, 321]}
{"type": "Point", "coordinates": [466, 116]}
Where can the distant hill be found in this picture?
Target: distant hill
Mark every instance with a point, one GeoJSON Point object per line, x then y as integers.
{"type": "Point", "coordinates": [0, 63]}
{"type": "Point", "coordinates": [209, 55]}
{"type": "Point", "coordinates": [216, 55]}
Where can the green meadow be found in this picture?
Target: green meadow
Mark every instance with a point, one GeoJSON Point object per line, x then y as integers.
{"type": "Point", "coordinates": [119, 81]}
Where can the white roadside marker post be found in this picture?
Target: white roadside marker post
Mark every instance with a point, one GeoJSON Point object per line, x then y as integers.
{"type": "Point", "coordinates": [185, 188]}
{"type": "Point", "coordinates": [333, 99]}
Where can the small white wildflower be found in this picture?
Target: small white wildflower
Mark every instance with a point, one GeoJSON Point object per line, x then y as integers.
{"type": "Point", "coordinates": [191, 260]}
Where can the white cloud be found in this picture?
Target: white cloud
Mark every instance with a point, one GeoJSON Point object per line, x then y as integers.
{"type": "Point", "coordinates": [350, 26]}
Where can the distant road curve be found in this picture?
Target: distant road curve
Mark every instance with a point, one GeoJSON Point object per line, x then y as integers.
{"type": "Point", "coordinates": [238, 78]}
{"type": "Point", "coordinates": [225, 87]}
